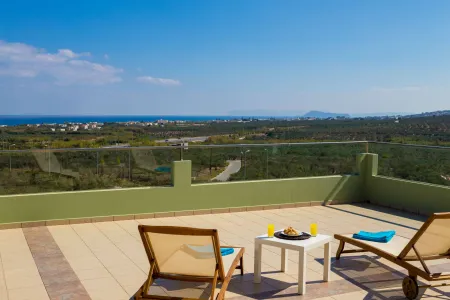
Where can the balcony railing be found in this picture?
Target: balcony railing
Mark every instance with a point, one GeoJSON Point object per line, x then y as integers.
{"type": "Point", "coordinates": [424, 163]}
{"type": "Point", "coordinates": [51, 170]}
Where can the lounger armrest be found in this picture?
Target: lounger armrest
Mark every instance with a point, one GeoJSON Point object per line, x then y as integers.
{"type": "Point", "coordinates": [230, 272]}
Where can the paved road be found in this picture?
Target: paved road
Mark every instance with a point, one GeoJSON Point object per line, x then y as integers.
{"type": "Point", "coordinates": [185, 139]}
{"type": "Point", "coordinates": [233, 167]}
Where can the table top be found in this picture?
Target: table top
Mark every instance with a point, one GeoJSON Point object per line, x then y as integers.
{"type": "Point", "coordinates": [312, 242]}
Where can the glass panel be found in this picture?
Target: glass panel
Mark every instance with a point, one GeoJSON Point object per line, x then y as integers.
{"type": "Point", "coordinates": [313, 160]}
{"type": "Point", "coordinates": [289, 161]}
{"type": "Point", "coordinates": [24, 175]}
{"type": "Point", "coordinates": [201, 163]}
{"type": "Point", "coordinates": [4, 171]}
{"type": "Point", "coordinates": [152, 167]}
{"type": "Point", "coordinates": [51, 171]}
{"type": "Point", "coordinates": [418, 164]}
{"type": "Point", "coordinates": [213, 164]}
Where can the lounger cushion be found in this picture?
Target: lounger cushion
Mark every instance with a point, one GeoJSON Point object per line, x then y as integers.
{"type": "Point", "coordinates": [393, 247]}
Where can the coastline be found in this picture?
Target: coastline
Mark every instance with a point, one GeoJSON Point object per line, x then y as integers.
{"type": "Point", "coordinates": [14, 120]}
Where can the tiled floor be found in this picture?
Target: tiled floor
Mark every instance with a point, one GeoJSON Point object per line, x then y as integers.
{"type": "Point", "coordinates": [107, 261]}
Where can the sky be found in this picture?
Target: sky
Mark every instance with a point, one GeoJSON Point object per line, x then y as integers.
{"type": "Point", "coordinates": [214, 57]}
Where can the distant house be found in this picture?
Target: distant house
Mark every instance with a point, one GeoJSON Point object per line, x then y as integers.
{"type": "Point", "coordinates": [62, 129]}
{"type": "Point", "coordinates": [52, 129]}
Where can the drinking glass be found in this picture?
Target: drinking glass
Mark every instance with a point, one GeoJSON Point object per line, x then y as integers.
{"type": "Point", "coordinates": [270, 230]}
{"type": "Point", "coordinates": [313, 229]}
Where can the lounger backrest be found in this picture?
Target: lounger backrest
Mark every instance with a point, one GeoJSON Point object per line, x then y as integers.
{"type": "Point", "coordinates": [432, 239]}
{"type": "Point", "coordinates": [182, 250]}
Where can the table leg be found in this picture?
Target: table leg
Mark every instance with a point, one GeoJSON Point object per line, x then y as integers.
{"type": "Point", "coordinates": [257, 269]}
{"type": "Point", "coordinates": [284, 260]}
{"type": "Point", "coordinates": [327, 262]}
{"type": "Point", "coordinates": [302, 272]}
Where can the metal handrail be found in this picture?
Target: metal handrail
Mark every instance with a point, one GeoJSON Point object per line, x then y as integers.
{"type": "Point", "coordinates": [179, 147]}
{"type": "Point", "coordinates": [412, 145]}
{"type": "Point", "coordinates": [219, 146]}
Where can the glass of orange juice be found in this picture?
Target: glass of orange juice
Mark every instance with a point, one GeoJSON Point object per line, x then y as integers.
{"type": "Point", "coordinates": [313, 229]}
{"type": "Point", "coordinates": [270, 230]}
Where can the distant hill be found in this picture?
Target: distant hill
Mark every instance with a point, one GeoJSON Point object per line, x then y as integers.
{"type": "Point", "coordinates": [323, 115]}
{"type": "Point", "coordinates": [430, 114]}
{"type": "Point", "coordinates": [380, 114]}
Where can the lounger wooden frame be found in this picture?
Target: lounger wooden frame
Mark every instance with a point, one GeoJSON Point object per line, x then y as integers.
{"type": "Point", "coordinates": [219, 274]}
{"type": "Point", "coordinates": [401, 259]}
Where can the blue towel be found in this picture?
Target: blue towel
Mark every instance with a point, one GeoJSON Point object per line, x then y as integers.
{"type": "Point", "coordinates": [226, 251]}
{"type": "Point", "coordinates": [380, 237]}
{"type": "Point", "coordinates": [206, 251]}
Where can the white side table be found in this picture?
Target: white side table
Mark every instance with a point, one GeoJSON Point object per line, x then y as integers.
{"type": "Point", "coordinates": [302, 247]}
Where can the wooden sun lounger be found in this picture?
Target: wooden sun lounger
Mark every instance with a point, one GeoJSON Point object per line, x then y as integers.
{"type": "Point", "coordinates": [432, 241]}
{"type": "Point", "coordinates": [173, 254]}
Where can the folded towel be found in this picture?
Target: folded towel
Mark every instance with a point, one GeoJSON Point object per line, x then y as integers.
{"type": "Point", "coordinates": [226, 251]}
{"type": "Point", "coordinates": [199, 252]}
{"type": "Point", "coordinates": [205, 252]}
{"type": "Point", "coordinates": [380, 237]}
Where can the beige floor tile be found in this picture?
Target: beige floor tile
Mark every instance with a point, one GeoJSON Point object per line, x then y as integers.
{"type": "Point", "coordinates": [133, 288]}
{"type": "Point", "coordinates": [85, 263]}
{"type": "Point", "coordinates": [112, 252]}
{"type": "Point", "coordinates": [4, 293]}
{"type": "Point", "coordinates": [280, 280]}
{"type": "Point", "coordinates": [248, 287]}
{"type": "Point", "coordinates": [350, 296]}
{"type": "Point", "coordinates": [29, 293]}
{"type": "Point", "coordinates": [22, 278]}
{"type": "Point", "coordinates": [84, 274]}
{"type": "Point", "coordinates": [104, 289]}
{"type": "Point", "coordinates": [128, 275]}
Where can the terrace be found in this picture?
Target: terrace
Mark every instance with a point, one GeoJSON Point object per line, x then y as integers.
{"type": "Point", "coordinates": [85, 244]}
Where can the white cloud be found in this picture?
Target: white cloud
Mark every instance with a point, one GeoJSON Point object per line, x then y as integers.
{"type": "Point", "coordinates": [65, 66]}
{"type": "Point", "coordinates": [397, 89]}
{"type": "Point", "coordinates": [158, 81]}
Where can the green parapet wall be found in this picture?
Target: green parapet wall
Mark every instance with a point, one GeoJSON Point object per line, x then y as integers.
{"type": "Point", "coordinates": [411, 196]}
{"type": "Point", "coordinates": [182, 196]}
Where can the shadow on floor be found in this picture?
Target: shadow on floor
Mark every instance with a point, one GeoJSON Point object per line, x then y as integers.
{"type": "Point", "coordinates": [383, 210]}
{"type": "Point", "coordinates": [358, 274]}
{"type": "Point", "coordinates": [379, 280]}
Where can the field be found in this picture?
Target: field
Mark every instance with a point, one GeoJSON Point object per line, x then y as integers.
{"type": "Point", "coordinates": [47, 170]}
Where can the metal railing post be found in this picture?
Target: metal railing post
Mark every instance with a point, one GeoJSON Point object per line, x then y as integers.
{"type": "Point", "coordinates": [129, 165]}
{"type": "Point", "coordinates": [97, 161]}
{"type": "Point", "coordinates": [49, 163]}
{"type": "Point", "coordinates": [210, 163]}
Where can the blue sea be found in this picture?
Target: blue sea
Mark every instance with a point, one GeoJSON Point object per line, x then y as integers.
{"type": "Point", "coordinates": [11, 120]}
